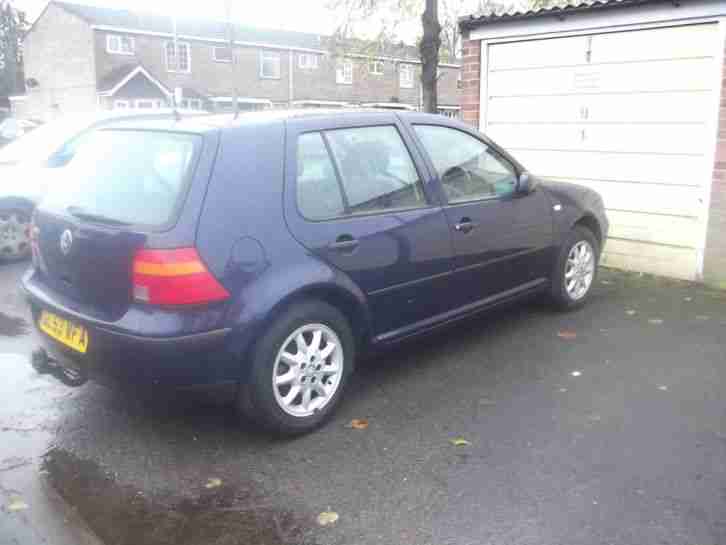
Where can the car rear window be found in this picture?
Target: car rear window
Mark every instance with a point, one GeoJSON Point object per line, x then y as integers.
{"type": "Point", "coordinates": [127, 176]}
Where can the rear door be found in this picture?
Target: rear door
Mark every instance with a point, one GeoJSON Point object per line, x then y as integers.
{"type": "Point", "coordinates": [358, 197]}
{"type": "Point", "coordinates": [502, 238]}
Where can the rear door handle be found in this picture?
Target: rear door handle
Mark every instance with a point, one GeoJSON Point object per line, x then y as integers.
{"type": "Point", "coordinates": [465, 225]}
{"type": "Point", "coordinates": [344, 244]}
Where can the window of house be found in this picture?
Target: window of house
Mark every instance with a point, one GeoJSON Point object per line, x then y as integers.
{"type": "Point", "coordinates": [344, 73]}
{"type": "Point", "coordinates": [270, 64]}
{"type": "Point", "coordinates": [119, 45]}
{"type": "Point", "coordinates": [180, 60]}
{"type": "Point", "coordinates": [191, 103]}
{"type": "Point", "coordinates": [376, 173]}
{"type": "Point", "coordinates": [121, 104]}
{"type": "Point", "coordinates": [307, 60]}
{"type": "Point", "coordinates": [405, 75]}
{"type": "Point", "coordinates": [469, 170]}
{"type": "Point", "coordinates": [376, 67]}
{"type": "Point", "coordinates": [222, 54]}
{"type": "Point", "coordinates": [459, 81]}
{"type": "Point", "coordinates": [148, 103]}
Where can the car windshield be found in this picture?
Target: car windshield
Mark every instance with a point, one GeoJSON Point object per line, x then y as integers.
{"type": "Point", "coordinates": [125, 177]}
{"type": "Point", "coordinates": [37, 146]}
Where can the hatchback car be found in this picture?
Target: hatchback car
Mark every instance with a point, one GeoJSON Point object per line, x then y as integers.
{"type": "Point", "coordinates": [258, 257]}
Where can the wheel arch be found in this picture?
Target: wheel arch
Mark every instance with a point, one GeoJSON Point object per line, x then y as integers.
{"type": "Point", "coordinates": [589, 221]}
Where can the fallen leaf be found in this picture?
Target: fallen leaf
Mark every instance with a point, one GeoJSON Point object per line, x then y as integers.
{"type": "Point", "coordinates": [563, 390]}
{"type": "Point", "coordinates": [213, 483]}
{"type": "Point", "coordinates": [663, 388]}
{"type": "Point", "coordinates": [16, 504]}
{"type": "Point", "coordinates": [576, 373]}
{"type": "Point", "coordinates": [358, 424]}
{"type": "Point", "coordinates": [688, 299]}
{"type": "Point", "coordinates": [326, 518]}
{"type": "Point", "coordinates": [459, 442]}
{"type": "Point", "coordinates": [655, 321]}
{"type": "Point", "coordinates": [606, 282]}
{"type": "Point", "coordinates": [567, 335]}
{"type": "Point", "coordinates": [631, 312]}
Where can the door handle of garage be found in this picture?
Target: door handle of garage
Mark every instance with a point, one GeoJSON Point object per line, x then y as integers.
{"type": "Point", "coordinates": [465, 225]}
{"type": "Point", "coordinates": [344, 244]}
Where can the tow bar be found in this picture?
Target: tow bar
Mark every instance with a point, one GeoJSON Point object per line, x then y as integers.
{"type": "Point", "coordinates": [45, 365]}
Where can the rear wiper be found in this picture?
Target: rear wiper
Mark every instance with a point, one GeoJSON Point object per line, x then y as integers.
{"type": "Point", "coordinates": [78, 212]}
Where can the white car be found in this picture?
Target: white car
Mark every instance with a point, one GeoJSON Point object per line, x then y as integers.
{"type": "Point", "coordinates": [34, 161]}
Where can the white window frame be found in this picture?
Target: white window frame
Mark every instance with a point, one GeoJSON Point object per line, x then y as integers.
{"type": "Point", "coordinates": [118, 49]}
{"type": "Point", "coordinates": [376, 67]}
{"type": "Point", "coordinates": [344, 72]}
{"type": "Point", "coordinates": [180, 45]}
{"type": "Point", "coordinates": [217, 59]}
{"type": "Point", "coordinates": [266, 54]}
{"type": "Point", "coordinates": [405, 76]}
{"type": "Point", "coordinates": [307, 61]}
{"type": "Point", "coordinates": [155, 103]}
{"type": "Point", "coordinates": [190, 103]}
{"type": "Point", "coordinates": [121, 105]}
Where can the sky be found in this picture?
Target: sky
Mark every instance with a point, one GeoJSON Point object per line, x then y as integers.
{"type": "Point", "coordinates": [300, 15]}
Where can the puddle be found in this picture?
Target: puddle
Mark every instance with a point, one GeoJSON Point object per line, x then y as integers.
{"type": "Point", "coordinates": [12, 326]}
{"type": "Point", "coordinates": [124, 516]}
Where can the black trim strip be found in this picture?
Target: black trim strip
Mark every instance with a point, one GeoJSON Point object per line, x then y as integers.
{"type": "Point", "coordinates": [460, 312]}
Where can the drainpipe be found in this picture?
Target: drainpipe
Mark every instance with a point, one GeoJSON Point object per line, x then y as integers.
{"type": "Point", "coordinates": [291, 84]}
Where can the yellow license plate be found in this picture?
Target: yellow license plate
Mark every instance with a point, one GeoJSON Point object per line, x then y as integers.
{"type": "Point", "coordinates": [63, 331]}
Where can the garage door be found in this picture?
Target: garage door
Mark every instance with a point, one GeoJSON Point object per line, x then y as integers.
{"type": "Point", "coordinates": [629, 114]}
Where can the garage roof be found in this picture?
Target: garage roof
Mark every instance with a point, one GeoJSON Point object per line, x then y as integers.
{"type": "Point", "coordinates": [474, 21]}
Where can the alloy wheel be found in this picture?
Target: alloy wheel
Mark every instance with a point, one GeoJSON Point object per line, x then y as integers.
{"type": "Point", "coordinates": [579, 270]}
{"type": "Point", "coordinates": [308, 370]}
{"type": "Point", "coordinates": [14, 234]}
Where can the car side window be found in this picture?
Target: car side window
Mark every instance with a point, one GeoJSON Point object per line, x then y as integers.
{"type": "Point", "coordinates": [319, 195]}
{"type": "Point", "coordinates": [376, 173]}
{"type": "Point", "coordinates": [469, 170]}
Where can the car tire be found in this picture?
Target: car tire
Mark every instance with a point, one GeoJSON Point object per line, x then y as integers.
{"type": "Point", "coordinates": [309, 372]}
{"type": "Point", "coordinates": [572, 266]}
{"type": "Point", "coordinates": [14, 233]}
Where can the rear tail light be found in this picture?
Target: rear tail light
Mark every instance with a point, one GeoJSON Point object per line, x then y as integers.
{"type": "Point", "coordinates": [174, 277]}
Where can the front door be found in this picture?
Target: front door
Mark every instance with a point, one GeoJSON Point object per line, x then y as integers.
{"type": "Point", "coordinates": [363, 205]}
{"type": "Point", "coordinates": [502, 238]}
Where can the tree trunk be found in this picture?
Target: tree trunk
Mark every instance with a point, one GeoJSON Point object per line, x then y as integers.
{"type": "Point", "coordinates": [430, 44]}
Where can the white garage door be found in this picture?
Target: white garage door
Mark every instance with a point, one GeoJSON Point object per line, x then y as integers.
{"type": "Point", "coordinates": [629, 114]}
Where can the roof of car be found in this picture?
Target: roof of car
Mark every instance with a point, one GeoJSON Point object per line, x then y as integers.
{"type": "Point", "coordinates": [224, 121]}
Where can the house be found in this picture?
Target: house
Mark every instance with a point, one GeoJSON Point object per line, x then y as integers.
{"type": "Point", "coordinates": [626, 97]}
{"type": "Point", "coordinates": [80, 57]}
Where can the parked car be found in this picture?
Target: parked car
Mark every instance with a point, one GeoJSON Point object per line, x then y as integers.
{"type": "Point", "coordinates": [31, 163]}
{"type": "Point", "coordinates": [258, 257]}
{"type": "Point", "coordinates": [12, 128]}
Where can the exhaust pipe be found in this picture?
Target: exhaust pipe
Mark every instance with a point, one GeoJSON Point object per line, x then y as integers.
{"type": "Point", "coordinates": [46, 365]}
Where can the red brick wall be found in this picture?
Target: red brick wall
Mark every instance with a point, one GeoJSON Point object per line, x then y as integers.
{"type": "Point", "coordinates": [714, 266]}
{"type": "Point", "coordinates": [470, 74]}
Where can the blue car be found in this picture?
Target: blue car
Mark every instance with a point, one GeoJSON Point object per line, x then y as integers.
{"type": "Point", "coordinates": [258, 257]}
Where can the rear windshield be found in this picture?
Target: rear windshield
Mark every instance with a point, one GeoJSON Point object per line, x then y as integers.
{"type": "Point", "coordinates": [125, 176]}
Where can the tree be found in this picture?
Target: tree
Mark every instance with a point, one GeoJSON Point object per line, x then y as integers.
{"type": "Point", "coordinates": [13, 25]}
{"type": "Point", "coordinates": [440, 25]}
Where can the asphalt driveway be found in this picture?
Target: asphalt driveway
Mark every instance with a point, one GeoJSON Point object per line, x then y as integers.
{"type": "Point", "coordinates": [602, 426]}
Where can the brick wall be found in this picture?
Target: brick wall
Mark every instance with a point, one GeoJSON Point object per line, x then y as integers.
{"type": "Point", "coordinates": [714, 266]}
{"type": "Point", "coordinates": [58, 53]}
{"type": "Point", "coordinates": [470, 75]}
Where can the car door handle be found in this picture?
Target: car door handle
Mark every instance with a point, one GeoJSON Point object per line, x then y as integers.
{"type": "Point", "coordinates": [465, 225]}
{"type": "Point", "coordinates": [344, 243]}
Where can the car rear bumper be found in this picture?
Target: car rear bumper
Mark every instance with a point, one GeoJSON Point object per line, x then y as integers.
{"type": "Point", "coordinates": [198, 361]}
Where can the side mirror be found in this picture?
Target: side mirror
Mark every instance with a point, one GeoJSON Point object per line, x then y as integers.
{"type": "Point", "coordinates": [526, 183]}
